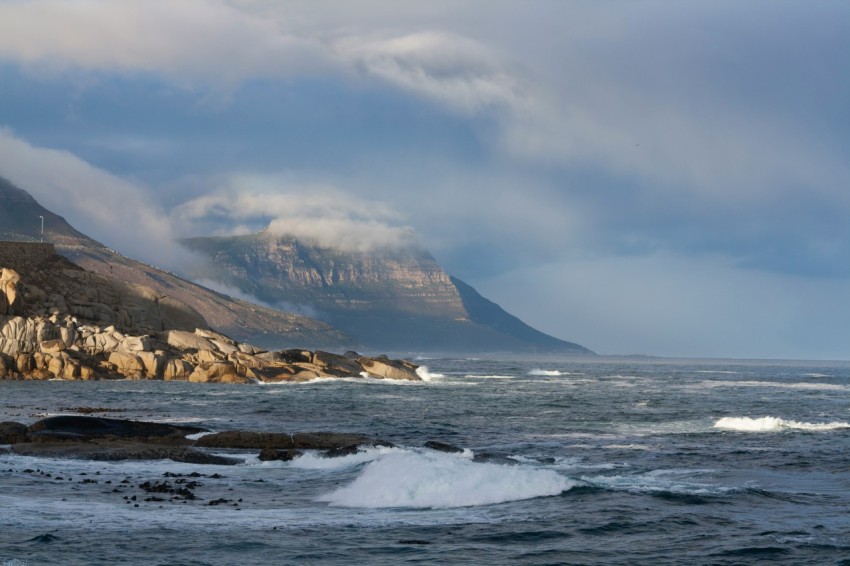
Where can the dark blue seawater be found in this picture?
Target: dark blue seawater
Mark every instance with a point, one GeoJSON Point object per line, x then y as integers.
{"type": "Point", "coordinates": [567, 461]}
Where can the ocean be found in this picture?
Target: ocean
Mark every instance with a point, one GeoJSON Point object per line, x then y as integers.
{"type": "Point", "coordinates": [565, 461]}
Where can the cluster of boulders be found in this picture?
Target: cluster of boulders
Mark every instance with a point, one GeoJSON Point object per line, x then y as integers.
{"type": "Point", "coordinates": [58, 345]}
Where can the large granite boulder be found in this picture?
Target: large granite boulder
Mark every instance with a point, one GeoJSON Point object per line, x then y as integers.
{"type": "Point", "coordinates": [385, 368]}
{"type": "Point", "coordinates": [336, 365]}
{"type": "Point", "coordinates": [11, 300]}
{"type": "Point", "coordinates": [182, 340]}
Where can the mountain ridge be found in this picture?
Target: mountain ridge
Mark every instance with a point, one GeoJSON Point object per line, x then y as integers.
{"type": "Point", "coordinates": [395, 298]}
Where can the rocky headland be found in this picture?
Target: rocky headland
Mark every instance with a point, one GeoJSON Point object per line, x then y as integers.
{"type": "Point", "coordinates": [63, 322]}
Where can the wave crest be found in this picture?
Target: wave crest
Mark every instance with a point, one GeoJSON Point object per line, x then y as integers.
{"type": "Point", "coordinates": [440, 481]}
{"type": "Point", "coordinates": [545, 372]}
{"type": "Point", "coordinates": [773, 424]}
{"type": "Point", "coordinates": [425, 375]}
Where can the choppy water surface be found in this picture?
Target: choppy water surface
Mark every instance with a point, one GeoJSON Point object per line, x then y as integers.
{"type": "Point", "coordinates": [587, 461]}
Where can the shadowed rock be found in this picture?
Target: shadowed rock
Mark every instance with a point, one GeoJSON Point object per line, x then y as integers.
{"type": "Point", "coordinates": [105, 450]}
{"type": "Point", "coordinates": [89, 428]}
{"type": "Point", "coordinates": [443, 447]}
{"type": "Point", "coordinates": [246, 439]}
{"type": "Point", "coordinates": [12, 433]}
{"type": "Point", "coordinates": [327, 440]}
{"type": "Point", "coordinates": [269, 454]}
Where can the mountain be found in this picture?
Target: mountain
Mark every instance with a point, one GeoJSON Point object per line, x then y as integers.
{"type": "Point", "coordinates": [398, 299]}
{"type": "Point", "coordinates": [395, 299]}
{"type": "Point", "coordinates": [267, 327]}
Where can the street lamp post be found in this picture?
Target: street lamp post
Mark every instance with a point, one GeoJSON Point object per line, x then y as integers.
{"type": "Point", "coordinates": [42, 228]}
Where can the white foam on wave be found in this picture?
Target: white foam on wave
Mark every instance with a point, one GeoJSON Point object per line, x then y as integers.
{"type": "Point", "coordinates": [317, 461]}
{"type": "Point", "coordinates": [476, 376]}
{"type": "Point", "coordinates": [776, 384]}
{"type": "Point", "coordinates": [545, 372]}
{"type": "Point", "coordinates": [198, 435]}
{"type": "Point", "coordinates": [773, 424]}
{"type": "Point", "coordinates": [425, 375]}
{"type": "Point", "coordinates": [659, 481]}
{"type": "Point", "coordinates": [434, 480]}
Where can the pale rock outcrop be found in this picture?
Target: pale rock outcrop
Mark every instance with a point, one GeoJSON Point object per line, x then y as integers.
{"type": "Point", "coordinates": [127, 364]}
{"type": "Point", "coordinates": [51, 346]}
{"type": "Point", "coordinates": [58, 345]}
{"type": "Point", "coordinates": [154, 363]}
{"type": "Point", "coordinates": [336, 364]}
{"type": "Point", "coordinates": [177, 370]}
{"type": "Point", "coordinates": [205, 356]}
{"type": "Point", "coordinates": [136, 344]}
{"type": "Point", "coordinates": [11, 301]}
{"type": "Point", "coordinates": [182, 340]}
{"type": "Point", "coordinates": [213, 372]}
{"type": "Point", "coordinates": [384, 368]}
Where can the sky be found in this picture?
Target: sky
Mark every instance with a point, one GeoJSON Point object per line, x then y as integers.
{"type": "Point", "coordinates": [641, 177]}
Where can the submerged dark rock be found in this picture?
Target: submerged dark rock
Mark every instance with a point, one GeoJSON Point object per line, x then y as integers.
{"type": "Point", "coordinates": [443, 447]}
{"type": "Point", "coordinates": [106, 450]}
{"type": "Point", "coordinates": [340, 452]}
{"type": "Point", "coordinates": [487, 458]}
{"type": "Point", "coordinates": [86, 428]}
{"type": "Point", "coordinates": [12, 432]}
{"type": "Point", "coordinates": [245, 439]}
{"type": "Point", "coordinates": [44, 539]}
{"type": "Point", "coordinates": [269, 454]}
{"type": "Point", "coordinates": [330, 440]}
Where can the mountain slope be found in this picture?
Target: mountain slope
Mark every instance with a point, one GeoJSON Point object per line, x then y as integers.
{"type": "Point", "coordinates": [398, 299]}
{"type": "Point", "coordinates": [19, 221]}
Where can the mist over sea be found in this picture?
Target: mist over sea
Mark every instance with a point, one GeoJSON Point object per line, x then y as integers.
{"type": "Point", "coordinates": [565, 460]}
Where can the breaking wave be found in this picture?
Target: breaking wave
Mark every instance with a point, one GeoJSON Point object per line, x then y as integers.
{"type": "Point", "coordinates": [425, 375]}
{"type": "Point", "coordinates": [773, 424]}
{"type": "Point", "coordinates": [439, 481]}
{"type": "Point", "coordinates": [545, 372]}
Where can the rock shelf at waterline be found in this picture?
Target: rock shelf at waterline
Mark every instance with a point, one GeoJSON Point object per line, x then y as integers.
{"type": "Point", "coordinates": [48, 335]}
{"type": "Point", "coordinates": [94, 438]}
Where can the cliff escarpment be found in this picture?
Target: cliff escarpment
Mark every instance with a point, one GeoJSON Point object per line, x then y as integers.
{"type": "Point", "coordinates": [392, 298]}
{"type": "Point", "coordinates": [284, 269]}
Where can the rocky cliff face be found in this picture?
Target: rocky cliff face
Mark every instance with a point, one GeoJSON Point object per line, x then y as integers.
{"type": "Point", "coordinates": [283, 269]}
{"type": "Point", "coordinates": [397, 299]}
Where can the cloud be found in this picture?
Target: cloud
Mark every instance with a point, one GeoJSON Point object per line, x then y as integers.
{"type": "Point", "coordinates": [190, 39]}
{"type": "Point", "coordinates": [117, 212]}
{"type": "Point", "coordinates": [321, 215]}
{"type": "Point", "coordinates": [451, 69]}
{"type": "Point", "coordinates": [236, 293]}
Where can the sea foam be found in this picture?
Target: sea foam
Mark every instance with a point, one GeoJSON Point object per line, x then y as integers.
{"type": "Point", "coordinates": [425, 375]}
{"type": "Point", "coordinates": [545, 372]}
{"type": "Point", "coordinates": [438, 481]}
{"type": "Point", "coordinates": [773, 424]}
